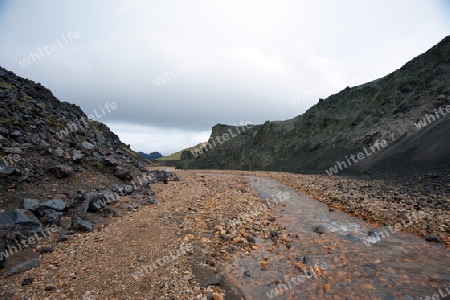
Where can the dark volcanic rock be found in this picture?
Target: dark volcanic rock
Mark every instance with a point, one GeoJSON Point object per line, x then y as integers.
{"type": "Point", "coordinates": [56, 204]}
{"type": "Point", "coordinates": [23, 218]}
{"type": "Point", "coordinates": [30, 204]}
{"type": "Point", "coordinates": [28, 265]}
{"type": "Point", "coordinates": [123, 174]}
{"type": "Point", "coordinates": [80, 224]}
{"type": "Point", "coordinates": [6, 171]}
{"type": "Point", "coordinates": [432, 238]}
{"type": "Point", "coordinates": [62, 171]}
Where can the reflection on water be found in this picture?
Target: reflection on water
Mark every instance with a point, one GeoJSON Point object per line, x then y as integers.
{"type": "Point", "coordinates": [399, 266]}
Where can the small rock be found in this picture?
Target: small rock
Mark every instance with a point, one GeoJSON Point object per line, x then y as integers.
{"type": "Point", "coordinates": [319, 229]}
{"type": "Point", "coordinates": [27, 281]}
{"type": "Point", "coordinates": [247, 273]}
{"type": "Point", "coordinates": [47, 249]}
{"type": "Point", "coordinates": [433, 238]}
{"type": "Point", "coordinates": [49, 288]}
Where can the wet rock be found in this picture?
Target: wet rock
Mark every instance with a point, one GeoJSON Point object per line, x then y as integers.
{"type": "Point", "coordinates": [62, 171]}
{"type": "Point", "coordinates": [30, 204]}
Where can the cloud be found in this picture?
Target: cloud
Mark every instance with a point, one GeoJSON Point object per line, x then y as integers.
{"type": "Point", "coordinates": [153, 139]}
{"type": "Point", "coordinates": [247, 58]}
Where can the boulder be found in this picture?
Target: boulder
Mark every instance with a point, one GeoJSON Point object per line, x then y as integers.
{"type": "Point", "coordinates": [87, 145]}
{"type": "Point", "coordinates": [77, 156]}
{"type": "Point", "coordinates": [80, 224]}
{"type": "Point", "coordinates": [30, 204]}
{"type": "Point", "coordinates": [56, 204]}
{"type": "Point", "coordinates": [6, 170]}
{"type": "Point", "coordinates": [110, 161]}
{"type": "Point", "coordinates": [62, 171]}
{"type": "Point", "coordinates": [23, 218]}
{"type": "Point", "coordinates": [123, 174]}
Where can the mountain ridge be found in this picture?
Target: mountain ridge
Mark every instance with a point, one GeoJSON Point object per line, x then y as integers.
{"type": "Point", "coordinates": [383, 109]}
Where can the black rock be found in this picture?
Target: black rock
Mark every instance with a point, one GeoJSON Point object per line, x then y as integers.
{"type": "Point", "coordinates": [319, 229]}
{"type": "Point", "coordinates": [2, 257]}
{"type": "Point", "coordinates": [251, 240]}
{"type": "Point", "coordinates": [80, 224]}
{"type": "Point", "coordinates": [47, 249]}
{"type": "Point", "coordinates": [214, 281]}
{"type": "Point", "coordinates": [21, 217]}
{"type": "Point", "coordinates": [123, 174]}
{"type": "Point", "coordinates": [62, 171]}
{"type": "Point", "coordinates": [247, 273]}
{"type": "Point", "coordinates": [6, 170]}
{"type": "Point", "coordinates": [432, 238]}
{"type": "Point", "coordinates": [27, 281]}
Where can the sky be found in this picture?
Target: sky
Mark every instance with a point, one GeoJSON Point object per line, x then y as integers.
{"type": "Point", "coordinates": [175, 68]}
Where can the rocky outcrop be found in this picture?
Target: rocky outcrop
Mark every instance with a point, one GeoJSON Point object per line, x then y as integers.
{"type": "Point", "coordinates": [391, 109]}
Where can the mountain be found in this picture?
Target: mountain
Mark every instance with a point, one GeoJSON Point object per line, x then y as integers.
{"type": "Point", "coordinates": [396, 123]}
{"type": "Point", "coordinates": [60, 168]}
{"type": "Point", "coordinates": [151, 156]}
{"type": "Point", "coordinates": [177, 155]}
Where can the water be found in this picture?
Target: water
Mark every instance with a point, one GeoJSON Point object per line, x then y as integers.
{"type": "Point", "coordinates": [398, 266]}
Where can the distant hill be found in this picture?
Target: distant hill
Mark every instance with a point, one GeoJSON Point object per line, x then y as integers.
{"type": "Point", "coordinates": [151, 156]}
{"type": "Point", "coordinates": [406, 109]}
{"type": "Point", "coordinates": [177, 155]}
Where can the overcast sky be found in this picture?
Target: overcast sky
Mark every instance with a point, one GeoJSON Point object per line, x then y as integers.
{"type": "Point", "coordinates": [177, 68]}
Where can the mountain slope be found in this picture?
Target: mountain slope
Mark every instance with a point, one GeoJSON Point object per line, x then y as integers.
{"type": "Point", "coordinates": [50, 147]}
{"type": "Point", "coordinates": [346, 123]}
{"type": "Point", "coordinates": [177, 155]}
{"type": "Point", "coordinates": [150, 156]}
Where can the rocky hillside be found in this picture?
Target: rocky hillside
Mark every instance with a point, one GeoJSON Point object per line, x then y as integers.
{"type": "Point", "coordinates": [60, 168]}
{"type": "Point", "coordinates": [404, 112]}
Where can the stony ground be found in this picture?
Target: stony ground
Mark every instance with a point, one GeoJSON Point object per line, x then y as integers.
{"type": "Point", "coordinates": [199, 214]}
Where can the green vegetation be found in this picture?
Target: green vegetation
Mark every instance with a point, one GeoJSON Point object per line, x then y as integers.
{"type": "Point", "coordinates": [177, 155]}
